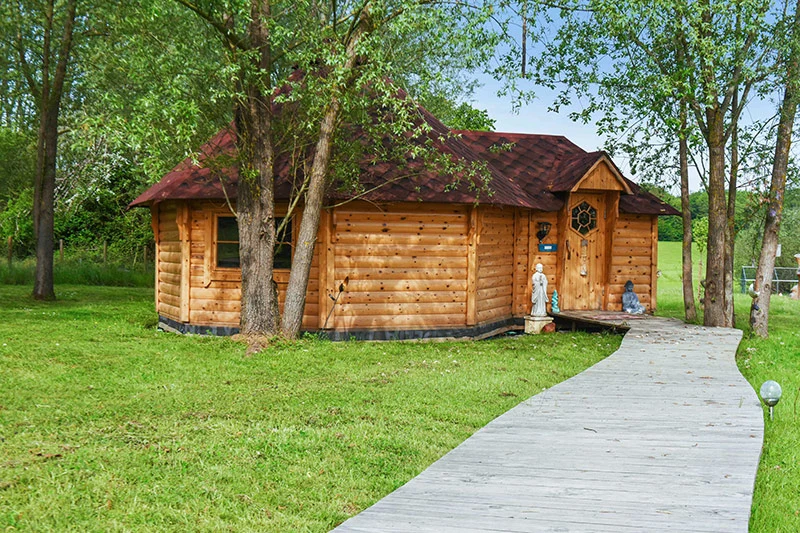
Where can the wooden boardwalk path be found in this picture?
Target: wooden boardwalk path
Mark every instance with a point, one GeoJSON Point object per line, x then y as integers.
{"type": "Point", "coordinates": [665, 434]}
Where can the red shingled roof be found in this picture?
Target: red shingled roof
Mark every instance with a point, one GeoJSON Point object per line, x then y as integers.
{"type": "Point", "coordinates": [384, 181]}
{"type": "Point", "coordinates": [524, 170]}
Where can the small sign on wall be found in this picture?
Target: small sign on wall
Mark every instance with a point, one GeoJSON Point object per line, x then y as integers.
{"type": "Point", "coordinates": [548, 247]}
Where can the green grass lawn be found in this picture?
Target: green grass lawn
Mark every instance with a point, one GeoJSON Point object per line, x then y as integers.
{"type": "Point", "coordinates": [109, 425]}
{"type": "Point", "coordinates": [776, 504]}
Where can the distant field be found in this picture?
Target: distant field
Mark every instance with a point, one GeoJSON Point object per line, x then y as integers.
{"type": "Point", "coordinates": [776, 506]}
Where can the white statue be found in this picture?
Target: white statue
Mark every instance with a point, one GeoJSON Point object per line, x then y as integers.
{"type": "Point", "coordinates": [539, 293]}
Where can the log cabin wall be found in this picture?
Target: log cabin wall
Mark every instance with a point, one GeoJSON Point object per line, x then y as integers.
{"type": "Point", "coordinates": [495, 267]}
{"type": "Point", "coordinates": [549, 260]}
{"type": "Point", "coordinates": [168, 260]}
{"type": "Point", "coordinates": [212, 296]}
{"type": "Point", "coordinates": [405, 265]}
{"type": "Point", "coordinates": [633, 258]}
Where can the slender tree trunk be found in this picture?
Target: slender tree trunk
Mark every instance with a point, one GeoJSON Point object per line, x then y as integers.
{"type": "Point", "coordinates": [714, 300]}
{"type": "Point", "coordinates": [43, 288]}
{"type": "Point", "coordinates": [44, 186]}
{"type": "Point", "coordinates": [730, 229]}
{"type": "Point", "coordinates": [256, 196]}
{"type": "Point", "coordinates": [759, 313]}
{"type": "Point", "coordinates": [312, 209]}
{"type": "Point", "coordinates": [686, 216]}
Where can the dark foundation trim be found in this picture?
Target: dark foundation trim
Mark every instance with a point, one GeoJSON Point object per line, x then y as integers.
{"type": "Point", "coordinates": [481, 331]}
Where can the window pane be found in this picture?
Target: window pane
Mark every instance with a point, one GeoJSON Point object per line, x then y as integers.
{"type": "Point", "coordinates": [283, 256]}
{"type": "Point", "coordinates": [227, 229]}
{"type": "Point", "coordinates": [228, 255]}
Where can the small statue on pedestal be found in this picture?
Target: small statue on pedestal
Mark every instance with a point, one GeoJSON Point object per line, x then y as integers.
{"type": "Point", "coordinates": [539, 293]}
{"type": "Point", "coordinates": [630, 302]}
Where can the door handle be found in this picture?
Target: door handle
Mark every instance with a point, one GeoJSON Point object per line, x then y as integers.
{"type": "Point", "coordinates": [569, 251]}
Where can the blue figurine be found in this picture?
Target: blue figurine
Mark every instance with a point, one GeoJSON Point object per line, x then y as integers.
{"type": "Point", "coordinates": [554, 303]}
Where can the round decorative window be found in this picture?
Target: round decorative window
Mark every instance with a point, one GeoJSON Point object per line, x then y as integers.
{"type": "Point", "coordinates": [584, 218]}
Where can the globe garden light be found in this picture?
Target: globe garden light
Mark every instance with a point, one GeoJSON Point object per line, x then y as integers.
{"type": "Point", "coordinates": [770, 394]}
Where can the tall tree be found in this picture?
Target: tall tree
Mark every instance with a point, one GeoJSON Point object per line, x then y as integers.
{"type": "Point", "coordinates": [325, 61]}
{"type": "Point", "coordinates": [790, 61]}
{"type": "Point", "coordinates": [41, 35]}
{"type": "Point", "coordinates": [652, 62]}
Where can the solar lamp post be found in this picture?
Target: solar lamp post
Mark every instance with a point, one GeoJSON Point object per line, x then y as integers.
{"type": "Point", "coordinates": [770, 394]}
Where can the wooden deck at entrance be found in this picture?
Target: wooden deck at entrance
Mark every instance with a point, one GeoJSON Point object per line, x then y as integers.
{"type": "Point", "coordinates": [664, 434]}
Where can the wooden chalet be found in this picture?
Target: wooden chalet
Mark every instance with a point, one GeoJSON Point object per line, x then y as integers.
{"type": "Point", "coordinates": [415, 258]}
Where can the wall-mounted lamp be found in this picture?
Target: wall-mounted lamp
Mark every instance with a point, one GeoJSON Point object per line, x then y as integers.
{"type": "Point", "coordinates": [544, 229]}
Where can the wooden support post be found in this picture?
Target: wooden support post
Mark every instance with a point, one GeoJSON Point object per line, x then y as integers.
{"type": "Point", "coordinates": [61, 249]}
{"type": "Point", "coordinates": [105, 251]}
{"type": "Point", "coordinates": [612, 214]}
{"type": "Point", "coordinates": [10, 250]}
{"type": "Point", "coordinates": [473, 239]}
{"type": "Point", "coordinates": [184, 231]}
{"type": "Point", "coordinates": [653, 263]}
{"type": "Point", "coordinates": [154, 221]}
{"type": "Point", "coordinates": [517, 257]}
{"type": "Point", "coordinates": [327, 273]}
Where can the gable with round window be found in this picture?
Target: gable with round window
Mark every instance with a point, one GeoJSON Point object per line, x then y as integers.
{"type": "Point", "coordinates": [584, 218]}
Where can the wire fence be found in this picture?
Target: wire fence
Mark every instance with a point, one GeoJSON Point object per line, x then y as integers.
{"type": "Point", "coordinates": [783, 278]}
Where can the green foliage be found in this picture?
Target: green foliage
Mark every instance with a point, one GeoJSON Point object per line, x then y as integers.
{"type": "Point", "coordinates": [108, 424]}
{"type": "Point", "coordinates": [16, 221]}
{"type": "Point", "coordinates": [17, 162]}
{"type": "Point", "coordinates": [700, 233]}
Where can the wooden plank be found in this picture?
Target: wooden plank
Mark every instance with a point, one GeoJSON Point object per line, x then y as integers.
{"type": "Point", "coordinates": [405, 309]}
{"type": "Point", "coordinates": [384, 250]}
{"type": "Point", "coordinates": [382, 262]}
{"type": "Point", "coordinates": [403, 297]}
{"type": "Point", "coordinates": [653, 264]}
{"type": "Point", "coordinates": [473, 240]}
{"type": "Point", "coordinates": [378, 285]}
{"type": "Point", "coordinates": [399, 321]}
{"type": "Point", "coordinates": [612, 216]}
{"type": "Point", "coordinates": [399, 239]}
{"type": "Point", "coordinates": [327, 274]}
{"type": "Point", "coordinates": [154, 221]}
{"type": "Point", "coordinates": [185, 229]}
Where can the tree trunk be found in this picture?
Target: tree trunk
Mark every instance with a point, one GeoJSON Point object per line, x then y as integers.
{"type": "Point", "coordinates": [714, 300]}
{"type": "Point", "coordinates": [689, 308]}
{"type": "Point", "coordinates": [256, 196]}
{"type": "Point", "coordinates": [312, 209]}
{"type": "Point", "coordinates": [730, 229]}
{"type": "Point", "coordinates": [49, 108]}
{"type": "Point", "coordinates": [759, 313]}
{"type": "Point", "coordinates": [44, 194]}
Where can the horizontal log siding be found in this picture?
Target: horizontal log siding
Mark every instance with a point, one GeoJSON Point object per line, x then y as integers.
{"type": "Point", "coordinates": [168, 263]}
{"type": "Point", "coordinates": [631, 259]}
{"type": "Point", "coordinates": [549, 260]}
{"type": "Point", "coordinates": [495, 264]}
{"type": "Point", "coordinates": [406, 266]}
{"type": "Point", "coordinates": [522, 297]}
{"type": "Point", "coordinates": [219, 303]}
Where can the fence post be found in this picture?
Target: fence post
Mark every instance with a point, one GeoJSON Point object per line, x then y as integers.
{"type": "Point", "coordinates": [105, 251]}
{"type": "Point", "coordinates": [10, 250]}
{"type": "Point", "coordinates": [61, 249]}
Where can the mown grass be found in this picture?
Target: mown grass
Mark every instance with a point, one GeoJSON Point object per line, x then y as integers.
{"type": "Point", "coordinates": [81, 271]}
{"type": "Point", "coordinates": [776, 503]}
{"type": "Point", "coordinates": [109, 425]}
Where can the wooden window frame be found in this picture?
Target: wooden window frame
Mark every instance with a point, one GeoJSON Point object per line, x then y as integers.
{"type": "Point", "coordinates": [212, 272]}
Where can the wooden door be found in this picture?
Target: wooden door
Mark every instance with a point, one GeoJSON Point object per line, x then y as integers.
{"type": "Point", "coordinates": [583, 253]}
